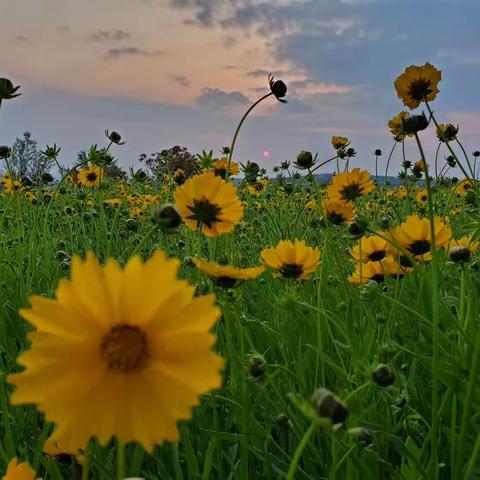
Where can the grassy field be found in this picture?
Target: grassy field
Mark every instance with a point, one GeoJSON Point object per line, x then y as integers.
{"type": "Point", "coordinates": [395, 346]}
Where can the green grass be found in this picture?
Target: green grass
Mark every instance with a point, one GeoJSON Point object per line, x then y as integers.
{"type": "Point", "coordinates": [324, 332]}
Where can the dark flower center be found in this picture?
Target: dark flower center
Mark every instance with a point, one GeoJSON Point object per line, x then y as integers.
{"type": "Point", "coordinates": [225, 282]}
{"type": "Point", "coordinates": [335, 218]}
{"type": "Point", "coordinates": [125, 349]}
{"type": "Point", "coordinates": [419, 247]}
{"type": "Point", "coordinates": [221, 172]}
{"type": "Point", "coordinates": [419, 89]}
{"type": "Point", "coordinates": [91, 177]}
{"type": "Point", "coordinates": [405, 261]}
{"type": "Point", "coordinates": [377, 255]}
{"type": "Point", "coordinates": [291, 270]}
{"type": "Point", "coordinates": [204, 212]}
{"type": "Point", "coordinates": [377, 278]}
{"type": "Point", "coordinates": [351, 192]}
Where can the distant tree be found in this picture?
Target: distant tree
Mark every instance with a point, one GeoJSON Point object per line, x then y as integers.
{"type": "Point", "coordinates": [169, 160]}
{"type": "Point", "coordinates": [27, 159]}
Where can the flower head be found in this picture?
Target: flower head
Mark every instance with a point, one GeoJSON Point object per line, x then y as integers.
{"type": "Point", "coordinates": [90, 176]}
{"type": "Point", "coordinates": [123, 352]}
{"type": "Point", "coordinates": [278, 88]}
{"type": "Point", "coordinates": [209, 203]}
{"type": "Point", "coordinates": [227, 276]}
{"type": "Point", "coordinates": [19, 471]}
{"type": "Point", "coordinates": [340, 142]}
{"type": "Point", "coordinates": [395, 124]}
{"type": "Point", "coordinates": [370, 249]}
{"type": "Point", "coordinates": [376, 271]}
{"type": "Point", "coordinates": [347, 186]}
{"type": "Point", "coordinates": [292, 259]}
{"type": "Point", "coordinates": [338, 212]}
{"type": "Point", "coordinates": [418, 84]}
{"type": "Point", "coordinates": [414, 236]}
{"type": "Point", "coordinates": [220, 168]}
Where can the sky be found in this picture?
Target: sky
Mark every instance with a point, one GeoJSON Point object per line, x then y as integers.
{"type": "Point", "coordinates": [182, 72]}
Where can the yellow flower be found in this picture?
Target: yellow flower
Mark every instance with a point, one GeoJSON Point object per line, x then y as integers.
{"type": "Point", "coordinates": [422, 197]}
{"type": "Point", "coordinates": [208, 202]}
{"type": "Point", "coordinates": [466, 242]}
{"type": "Point", "coordinates": [112, 202]}
{"type": "Point", "coordinates": [347, 186]}
{"type": "Point", "coordinates": [395, 124]}
{"type": "Point", "coordinates": [463, 187]}
{"type": "Point", "coordinates": [414, 236]}
{"type": "Point", "coordinates": [259, 187]}
{"type": "Point", "coordinates": [90, 176]}
{"type": "Point", "coordinates": [90, 203]}
{"type": "Point", "coordinates": [418, 84]}
{"type": "Point", "coordinates": [148, 199]}
{"type": "Point", "coordinates": [137, 213]}
{"type": "Point", "coordinates": [119, 352]}
{"type": "Point", "coordinates": [370, 249]}
{"type": "Point", "coordinates": [376, 271]}
{"type": "Point", "coordinates": [292, 259]}
{"type": "Point", "coordinates": [10, 185]}
{"type": "Point", "coordinates": [338, 212]}
{"type": "Point", "coordinates": [227, 276]}
{"type": "Point", "coordinates": [340, 142]}
{"type": "Point", "coordinates": [19, 471]}
{"type": "Point", "coordinates": [31, 197]}
{"type": "Point", "coordinates": [311, 205]}
{"type": "Point", "coordinates": [220, 168]}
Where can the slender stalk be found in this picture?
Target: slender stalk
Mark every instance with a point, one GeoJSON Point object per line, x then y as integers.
{"type": "Point", "coordinates": [435, 323]}
{"type": "Point", "coordinates": [298, 452]}
{"type": "Point", "coordinates": [389, 158]}
{"type": "Point", "coordinates": [120, 460]}
{"type": "Point", "coordinates": [239, 126]}
{"type": "Point", "coordinates": [86, 462]}
{"type": "Point", "coordinates": [436, 159]}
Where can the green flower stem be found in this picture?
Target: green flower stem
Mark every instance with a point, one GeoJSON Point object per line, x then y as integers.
{"type": "Point", "coordinates": [436, 160]}
{"type": "Point", "coordinates": [120, 460]}
{"type": "Point", "coordinates": [389, 158]}
{"type": "Point", "coordinates": [435, 322]}
{"type": "Point", "coordinates": [237, 131]}
{"type": "Point", "coordinates": [448, 144]}
{"type": "Point", "coordinates": [86, 462]}
{"type": "Point", "coordinates": [466, 417]}
{"type": "Point", "coordinates": [298, 452]}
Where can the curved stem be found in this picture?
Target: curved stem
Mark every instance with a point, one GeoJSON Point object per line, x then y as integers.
{"type": "Point", "coordinates": [239, 126]}
{"type": "Point", "coordinates": [389, 158]}
{"type": "Point", "coordinates": [298, 452]}
{"type": "Point", "coordinates": [436, 160]}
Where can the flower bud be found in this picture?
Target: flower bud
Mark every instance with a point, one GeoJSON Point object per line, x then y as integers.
{"type": "Point", "coordinates": [304, 160]}
{"type": "Point", "coordinates": [357, 227]}
{"type": "Point", "coordinates": [256, 365]}
{"type": "Point", "coordinates": [476, 153]}
{"type": "Point", "coordinates": [328, 405]}
{"type": "Point", "coordinates": [277, 87]}
{"type": "Point", "coordinates": [383, 376]}
{"type": "Point", "coordinates": [362, 435]}
{"type": "Point", "coordinates": [5, 151]}
{"type": "Point", "coordinates": [451, 161]}
{"type": "Point", "coordinates": [414, 123]}
{"type": "Point", "coordinates": [166, 216]}
{"type": "Point", "coordinates": [47, 177]}
{"type": "Point", "coordinates": [132, 224]}
{"type": "Point", "coordinates": [459, 254]}
{"type": "Point", "coordinates": [378, 152]}
{"type": "Point", "coordinates": [7, 90]}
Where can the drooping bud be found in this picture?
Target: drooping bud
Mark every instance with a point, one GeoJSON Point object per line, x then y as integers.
{"type": "Point", "coordinates": [256, 365]}
{"type": "Point", "coordinates": [383, 376]}
{"type": "Point", "coordinates": [304, 160]}
{"type": "Point", "coordinates": [166, 216]}
{"type": "Point", "coordinates": [5, 152]}
{"type": "Point", "coordinates": [459, 254]}
{"type": "Point", "coordinates": [414, 123]}
{"type": "Point", "coordinates": [328, 405]}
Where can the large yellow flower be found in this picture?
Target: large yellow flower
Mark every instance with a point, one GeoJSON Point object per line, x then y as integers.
{"type": "Point", "coordinates": [347, 186]}
{"type": "Point", "coordinates": [292, 259]}
{"type": "Point", "coordinates": [463, 187]}
{"type": "Point", "coordinates": [90, 176]}
{"type": "Point", "coordinates": [119, 352]}
{"type": "Point", "coordinates": [340, 142]}
{"type": "Point", "coordinates": [19, 471]}
{"type": "Point", "coordinates": [206, 201]}
{"type": "Point", "coordinates": [414, 236]}
{"type": "Point", "coordinates": [227, 276]}
{"type": "Point", "coordinates": [418, 84]}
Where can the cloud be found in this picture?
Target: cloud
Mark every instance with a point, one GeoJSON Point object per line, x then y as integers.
{"type": "Point", "coordinates": [215, 98]}
{"type": "Point", "coordinates": [115, 53]}
{"type": "Point", "coordinates": [62, 29]}
{"type": "Point", "coordinates": [205, 9]}
{"type": "Point", "coordinates": [105, 36]}
{"type": "Point", "coordinates": [21, 38]}
{"type": "Point", "coordinates": [183, 80]}
{"type": "Point", "coordinates": [260, 72]}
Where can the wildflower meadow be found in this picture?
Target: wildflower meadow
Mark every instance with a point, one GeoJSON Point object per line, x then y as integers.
{"type": "Point", "coordinates": [203, 318]}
